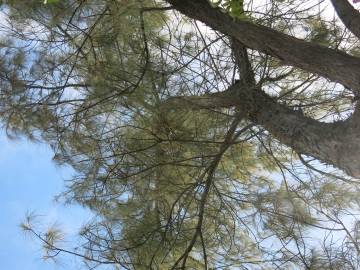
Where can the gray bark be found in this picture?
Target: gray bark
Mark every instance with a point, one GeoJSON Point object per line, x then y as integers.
{"type": "Point", "coordinates": [349, 15]}
{"type": "Point", "coordinates": [334, 65]}
{"type": "Point", "coordinates": [335, 143]}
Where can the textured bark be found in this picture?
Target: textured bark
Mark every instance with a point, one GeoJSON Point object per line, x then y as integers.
{"type": "Point", "coordinates": [334, 65]}
{"type": "Point", "coordinates": [337, 144]}
{"type": "Point", "coordinates": [349, 15]}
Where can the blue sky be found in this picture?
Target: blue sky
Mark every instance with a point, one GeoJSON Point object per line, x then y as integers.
{"type": "Point", "coordinates": [28, 182]}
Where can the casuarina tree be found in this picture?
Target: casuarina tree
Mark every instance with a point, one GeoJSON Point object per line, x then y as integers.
{"type": "Point", "coordinates": [203, 134]}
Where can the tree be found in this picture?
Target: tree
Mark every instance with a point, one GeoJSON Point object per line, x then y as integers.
{"type": "Point", "coordinates": [199, 131]}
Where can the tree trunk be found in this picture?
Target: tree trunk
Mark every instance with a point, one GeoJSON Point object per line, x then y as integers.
{"type": "Point", "coordinates": [334, 65]}
{"type": "Point", "coordinates": [349, 15]}
{"type": "Point", "coordinates": [336, 143]}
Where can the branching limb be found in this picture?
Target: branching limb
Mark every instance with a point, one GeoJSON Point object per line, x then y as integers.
{"type": "Point", "coordinates": [349, 15]}
{"type": "Point", "coordinates": [329, 63]}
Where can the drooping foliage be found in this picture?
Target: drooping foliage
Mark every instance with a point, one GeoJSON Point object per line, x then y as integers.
{"type": "Point", "coordinates": [173, 186]}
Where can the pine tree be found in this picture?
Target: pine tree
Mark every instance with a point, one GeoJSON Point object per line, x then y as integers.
{"type": "Point", "coordinates": [196, 146]}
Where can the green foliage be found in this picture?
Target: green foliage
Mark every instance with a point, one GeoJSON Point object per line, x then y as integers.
{"type": "Point", "coordinates": [51, 1]}
{"type": "Point", "coordinates": [234, 7]}
{"type": "Point", "coordinates": [319, 32]}
{"type": "Point", "coordinates": [94, 78]}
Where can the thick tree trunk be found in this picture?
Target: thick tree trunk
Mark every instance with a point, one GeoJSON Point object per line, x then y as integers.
{"type": "Point", "coordinates": [334, 65]}
{"type": "Point", "coordinates": [337, 144]}
{"type": "Point", "coordinates": [349, 15]}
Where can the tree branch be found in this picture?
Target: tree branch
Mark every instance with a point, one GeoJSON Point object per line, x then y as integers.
{"type": "Point", "coordinates": [334, 65]}
{"type": "Point", "coordinates": [337, 143]}
{"type": "Point", "coordinates": [223, 99]}
{"type": "Point", "coordinates": [241, 56]}
{"type": "Point", "coordinates": [349, 15]}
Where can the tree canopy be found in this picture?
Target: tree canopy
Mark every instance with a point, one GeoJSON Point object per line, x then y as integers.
{"type": "Point", "coordinates": [203, 134]}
